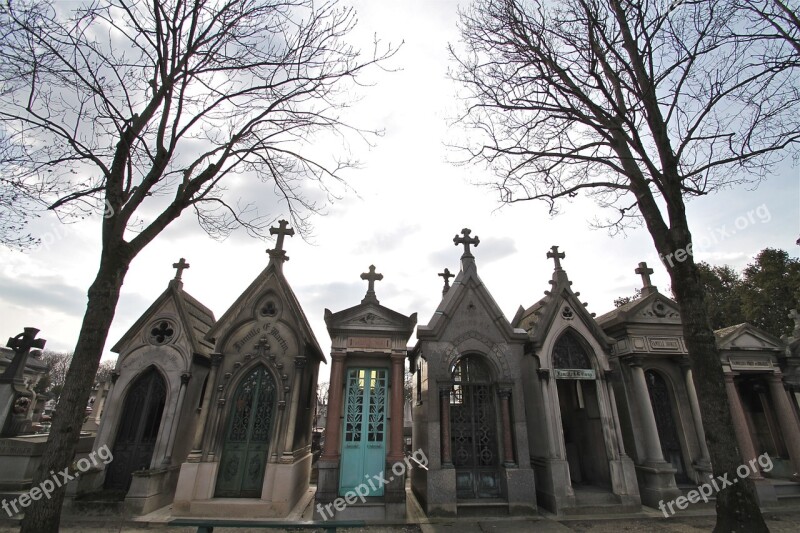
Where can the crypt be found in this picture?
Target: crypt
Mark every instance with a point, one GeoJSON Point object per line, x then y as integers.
{"type": "Point", "coordinates": [469, 411]}
{"type": "Point", "coordinates": [364, 426]}
{"type": "Point", "coordinates": [151, 409]}
{"type": "Point", "coordinates": [252, 456]}
{"type": "Point", "coordinates": [657, 401]}
{"type": "Point", "coordinates": [573, 426]}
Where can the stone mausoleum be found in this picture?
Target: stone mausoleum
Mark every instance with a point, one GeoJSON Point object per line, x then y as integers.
{"type": "Point", "coordinates": [555, 409]}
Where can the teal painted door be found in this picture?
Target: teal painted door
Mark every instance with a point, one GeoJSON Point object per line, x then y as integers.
{"type": "Point", "coordinates": [244, 452]}
{"type": "Point", "coordinates": [364, 435]}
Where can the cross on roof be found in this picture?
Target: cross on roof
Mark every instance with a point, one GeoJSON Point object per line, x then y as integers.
{"type": "Point", "coordinates": [446, 275]}
{"type": "Point", "coordinates": [555, 255]}
{"type": "Point", "coordinates": [466, 240]}
{"type": "Point", "coordinates": [645, 273]}
{"type": "Point", "coordinates": [180, 266]}
{"type": "Point", "coordinates": [281, 231]}
{"type": "Point", "coordinates": [371, 277]}
{"type": "Point", "coordinates": [21, 345]}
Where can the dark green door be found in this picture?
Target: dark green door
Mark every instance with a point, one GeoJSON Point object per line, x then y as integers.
{"type": "Point", "coordinates": [364, 438]}
{"type": "Point", "coordinates": [244, 452]}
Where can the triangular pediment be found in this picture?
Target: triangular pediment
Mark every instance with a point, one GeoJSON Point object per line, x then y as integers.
{"type": "Point", "coordinates": [468, 296]}
{"type": "Point", "coordinates": [654, 308]}
{"type": "Point", "coordinates": [267, 299]}
{"type": "Point", "coordinates": [747, 337]}
{"type": "Point", "coordinates": [370, 316]}
{"type": "Point", "coordinates": [195, 319]}
{"type": "Point", "coordinates": [559, 303]}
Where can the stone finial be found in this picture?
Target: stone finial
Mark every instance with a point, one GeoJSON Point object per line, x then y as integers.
{"type": "Point", "coordinates": [647, 286]}
{"type": "Point", "coordinates": [556, 256]}
{"type": "Point", "coordinates": [281, 231]}
{"type": "Point", "coordinates": [446, 275]}
{"type": "Point", "coordinates": [371, 277]}
{"type": "Point", "coordinates": [466, 240]}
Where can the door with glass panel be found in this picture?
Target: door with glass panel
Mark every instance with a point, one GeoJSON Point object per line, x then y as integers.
{"type": "Point", "coordinates": [364, 431]}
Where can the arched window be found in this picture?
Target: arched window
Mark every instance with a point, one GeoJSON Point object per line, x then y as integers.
{"type": "Point", "coordinates": [468, 369]}
{"type": "Point", "coordinates": [569, 352]}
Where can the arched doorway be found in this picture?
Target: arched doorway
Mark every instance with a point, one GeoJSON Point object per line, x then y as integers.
{"type": "Point", "coordinates": [473, 430]}
{"type": "Point", "coordinates": [581, 422]}
{"type": "Point", "coordinates": [138, 429]}
{"type": "Point", "coordinates": [665, 423]}
{"type": "Point", "coordinates": [244, 451]}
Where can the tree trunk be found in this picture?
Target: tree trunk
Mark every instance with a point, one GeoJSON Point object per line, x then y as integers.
{"type": "Point", "coordinates": [43, 515]}
{"type": "Point", "coordinates": [737, 504]}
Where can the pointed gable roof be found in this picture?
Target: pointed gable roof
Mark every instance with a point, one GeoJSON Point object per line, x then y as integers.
{"type": "Point", "coordinates": [467, 281]}
{"type": "Point", "coordinates": [196, 318]}
{"type": "Point", "coordinates": [271, 278]}
{"type": "Point", "coordinates": [538, 318]}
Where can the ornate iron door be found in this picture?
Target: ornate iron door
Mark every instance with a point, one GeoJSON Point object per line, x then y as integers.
{"type": "Point", "coordinates": [244, 452]}
{"type": "Point", "coordinates": [473, 432]}
{"type": "Point", "coordinates": [138, 430]}
{"type": "Point", "coordinates": [364, 435]}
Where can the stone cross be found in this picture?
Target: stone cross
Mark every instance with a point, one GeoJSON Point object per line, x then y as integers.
{"type": "Point", "coordinates": [446, 275]}
{"type": "Point", "coordinates": [281, 231]}
{"type": "Point", "coordinates": [180, 266]}
{"type": "Point", "coordinates": [21, 344]}
{"type": "Point", "coordinates": [466, 240]}
{"type": "Point", "coordinates": [645, 273]}
{"type": "Point", "coordinates": [555, 255]}
{"type": "Point", "coordinates": [371, 277]}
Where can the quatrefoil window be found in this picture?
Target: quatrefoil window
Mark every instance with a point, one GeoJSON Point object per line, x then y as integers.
{"type": "Point", "coordinates": [161, 332]}
{"type": "Point", "coordinates": [567, 313]}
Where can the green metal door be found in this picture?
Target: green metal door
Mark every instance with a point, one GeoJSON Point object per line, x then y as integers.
{"type": "Point", "coordinates": [364, 435]}
{"type": "Point", "coordinates": [244, 452]}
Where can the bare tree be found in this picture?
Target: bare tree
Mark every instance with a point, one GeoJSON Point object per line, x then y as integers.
{"type": "Point", "coordinates": [141, 110]}
{"type": "Point", "coordinates": [638, 105]}
{"type": "Point", "coordinates": [57, 366]}
{"type": "Point", "coordinates": [781, 18]}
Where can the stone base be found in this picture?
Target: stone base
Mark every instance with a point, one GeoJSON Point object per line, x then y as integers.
{"type": "Point", "coordinates": [151, 490]}
{"type": "Point", "coordinates": [657, 483]}
{"type": "Point", "coordinates": [520, 488]}
{"type": "Point", "coordinates": [329, 505]}
{"type": "Point", "coordinates": [284, 486]}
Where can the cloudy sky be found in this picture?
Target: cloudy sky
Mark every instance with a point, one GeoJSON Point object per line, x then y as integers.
{"type": "Point", "coordinates": [407, 203]}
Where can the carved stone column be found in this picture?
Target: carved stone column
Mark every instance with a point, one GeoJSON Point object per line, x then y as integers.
{"type": "Point", "coordinates": [185, 377]}
{"type": "Point", "coordinates": [444, 426]}
{"type": "Point", "coordinates": [614, 413]}
{"type": "Point", "coordinates": [333, 426]}
{"type": "Point", "coordinates": [740, 425]}
{"type": "Point", "coordinates": [652, 443]}
{"type": "Point", "coordinates": [291, 423]}
{"type": "Point", "coordinates": [207, 393]}
{"type": "Point", "coordinates": [786, 420]}
{"type": "Point", "coordinates": [705, 457]}
{"type": "Point", "coordinates": [396, 409]}
{"type": "Point", "coordinates": [505, 410]}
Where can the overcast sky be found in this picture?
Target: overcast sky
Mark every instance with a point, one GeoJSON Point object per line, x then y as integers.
{"type": "Point", "coordinates": [410, 202]}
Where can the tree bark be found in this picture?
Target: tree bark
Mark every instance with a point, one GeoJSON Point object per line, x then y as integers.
{"type": "Point", "coordinates": [43, 515]}
{"type": "Point", "coordinates": [737, 504]}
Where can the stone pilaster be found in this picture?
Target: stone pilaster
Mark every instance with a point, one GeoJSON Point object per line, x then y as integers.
{"type": "Point", "coordinates": [743, 437]}
{"type": "Point", "coordinates": [786, 420]}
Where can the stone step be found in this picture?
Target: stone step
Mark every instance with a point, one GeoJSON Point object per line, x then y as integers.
{"type": "Point", "coordinates": [483, 507]}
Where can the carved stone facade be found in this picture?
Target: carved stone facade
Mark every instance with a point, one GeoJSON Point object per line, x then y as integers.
{"type": "Point", "coordinates": [150, 413]}
{"type": "Point", "coordinates": [469, 410]}
{"type": "Point", "coordinates": [252, 456]}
